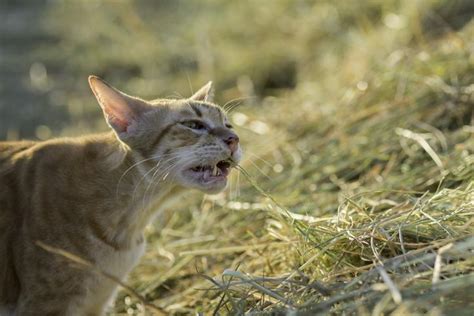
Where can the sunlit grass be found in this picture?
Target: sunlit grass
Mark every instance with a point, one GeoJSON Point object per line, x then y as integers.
{"type": "Point", "coordinates": [362, 205]}
{"type": "Point", "coordinates": [357, 199]}
{"type": "Point", "coordinates": [356, 190]}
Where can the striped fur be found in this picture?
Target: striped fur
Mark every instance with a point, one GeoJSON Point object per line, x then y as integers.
{"type": "Point", "coordinates": [93, 196]}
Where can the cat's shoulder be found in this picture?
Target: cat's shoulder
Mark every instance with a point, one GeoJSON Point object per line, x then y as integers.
{"type": "Point", "coordinates": [11, 149]}
{"type": "Point", "coordinates": [8, 148]}
{"type": "Point", "coordinates": [56, 149]}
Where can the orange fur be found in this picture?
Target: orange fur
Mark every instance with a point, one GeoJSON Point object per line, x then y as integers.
{"type": "Point", "coordinates": [94, 195]}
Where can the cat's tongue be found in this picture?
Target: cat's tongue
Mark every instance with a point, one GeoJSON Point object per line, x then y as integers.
{"type": "Point", "coordinates": [207, 175]}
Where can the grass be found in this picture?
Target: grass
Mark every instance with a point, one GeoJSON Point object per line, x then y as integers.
{"type": "Point", "coordinates": [360, 203]}
{"type": "Point", "coordinates": [356, 192]}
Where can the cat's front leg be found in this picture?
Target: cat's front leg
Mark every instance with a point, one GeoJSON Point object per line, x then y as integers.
{"type": "Point", "coordinates": [52, 286]}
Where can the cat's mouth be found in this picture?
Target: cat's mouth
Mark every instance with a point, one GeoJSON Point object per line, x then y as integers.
{"type": "Point", "coordinates": [209, 177]}
{"type": "Point", "coordinates": [211, 173]}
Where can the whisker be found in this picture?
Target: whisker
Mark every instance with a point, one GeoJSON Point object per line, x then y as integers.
{"type": "Point", "coordinates": [153, 184]}
{"type": "Point", "coordinates": [231, 107]}
{"type": "Point", "coordinates": [169, 169]}
{"type": "Point", "coordinates": [139, 182]}
{"type": "Point", "coordinates": [176, 95]}
{"type": "Point", "coordinates": [231, 194]}
{"type": "Point", "coordinates": [238, 184]}
{"type": "Point", "coordinates": [234, 193]}
{"type": "Point", "coordinates": [258, 168]}
{"type": "Point", "coordinates": [262, 160]}
{"type": "Point", "coordinates": [236, 99]}
{"type": "Point", "coordinates": [148, 172]}
{"type": "Point", "coordinates": [143, 161]}
{"type": "Point", "coordinates": [128, 170]}
{"type": "Point", "coordinates": [150, 183]}
{"type": "Point", "coordinates": [189, 82]}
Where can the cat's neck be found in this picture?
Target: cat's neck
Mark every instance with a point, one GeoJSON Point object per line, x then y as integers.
{"type": "Point", "coordinates": [138, 190]}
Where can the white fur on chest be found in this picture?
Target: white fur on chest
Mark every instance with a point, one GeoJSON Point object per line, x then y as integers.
{"type": "Point", "coordinates": [117, 263]}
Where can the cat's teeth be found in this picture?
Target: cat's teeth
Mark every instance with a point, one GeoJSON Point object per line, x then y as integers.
{"type": "Point", "coordinates": [214, 171]}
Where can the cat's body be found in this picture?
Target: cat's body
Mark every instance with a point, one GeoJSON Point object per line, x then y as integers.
{"type": "Point", "coordinates": [64, 189]}
{"type": "Point", "coordinates": [93, 197]}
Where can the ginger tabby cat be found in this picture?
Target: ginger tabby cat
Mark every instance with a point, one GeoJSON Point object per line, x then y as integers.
{"type": "Point", "coordinates": [94, 195]}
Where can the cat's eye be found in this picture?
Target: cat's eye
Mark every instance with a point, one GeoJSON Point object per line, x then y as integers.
{"type": "Point", "coordinates": [229, 126]}
{"type": "Point", "coordinates": [197, 125]}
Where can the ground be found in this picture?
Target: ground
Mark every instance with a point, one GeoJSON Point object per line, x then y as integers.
{"type": "Point", "coordinates": [356, 194]}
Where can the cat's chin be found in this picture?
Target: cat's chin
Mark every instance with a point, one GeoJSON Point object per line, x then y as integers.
{"type": "Point", "coordinates": [213, 186]}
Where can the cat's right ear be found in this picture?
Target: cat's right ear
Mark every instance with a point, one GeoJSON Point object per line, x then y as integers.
{"type": "Point", "coordinates": [206, 93]}
{"type": "Point", "coordinates": [120, 110]}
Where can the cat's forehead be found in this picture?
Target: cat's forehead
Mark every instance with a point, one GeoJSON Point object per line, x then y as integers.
{"type": "Point", "coordinates": [202, 110]}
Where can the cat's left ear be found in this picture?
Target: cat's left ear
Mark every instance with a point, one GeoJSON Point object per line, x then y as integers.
{"type": "Point", "coordinates": [121, 111]}
{"type": "Point", "coordinates": [206, 93]}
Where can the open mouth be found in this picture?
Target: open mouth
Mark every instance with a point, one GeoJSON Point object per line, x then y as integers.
{"type": "Point", "coordinates": [210, 173]}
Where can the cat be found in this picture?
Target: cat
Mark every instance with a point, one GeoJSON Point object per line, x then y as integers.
{"type": "Point", "coordinates": [93, 196]}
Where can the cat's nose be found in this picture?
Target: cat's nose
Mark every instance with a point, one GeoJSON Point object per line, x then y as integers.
{"type": "Point", "coordinates": [229, 137]}
{"type": "Point", "coordinates": [232, 141]}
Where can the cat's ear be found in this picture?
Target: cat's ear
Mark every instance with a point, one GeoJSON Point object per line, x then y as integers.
{"type": "Point", "coordinates": [120, 110]}
{"type": "Point", "coordinates": [206, 93]}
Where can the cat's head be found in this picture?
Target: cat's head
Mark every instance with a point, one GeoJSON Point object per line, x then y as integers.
{"type": "Point", "coordinates": [188, 141]}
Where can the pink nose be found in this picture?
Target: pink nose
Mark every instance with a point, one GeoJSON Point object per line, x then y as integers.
{"type": "Point", "coordinates": [233, 142]}
{"type": "Point", "coordinates": [228, 137]}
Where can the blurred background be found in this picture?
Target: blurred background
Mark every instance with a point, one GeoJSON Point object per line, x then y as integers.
{"type": "Point", "coordinates": [147, 48]}
{"type": "Point", "coordinates": [251, 50]}
{"type": "Point", "coordinates": [331, 99]}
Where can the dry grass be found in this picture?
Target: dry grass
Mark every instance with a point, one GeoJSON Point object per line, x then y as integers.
{"type": "Point", "coordinates": [357, 204]}
{"type": "Point", "coordinates": [356, 195]}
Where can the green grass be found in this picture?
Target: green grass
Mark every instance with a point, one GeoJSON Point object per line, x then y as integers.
{"type": "Point", "coordinates": [356, 193]}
